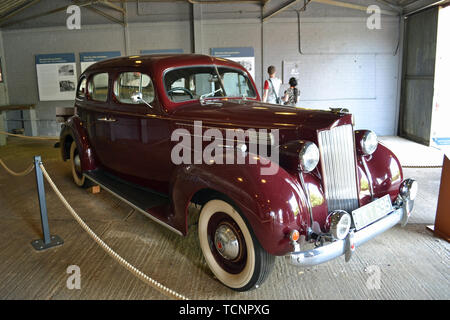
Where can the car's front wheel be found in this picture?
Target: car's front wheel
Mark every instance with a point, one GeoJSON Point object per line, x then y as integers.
{"type": "Point", "coordinates": [230, 248]}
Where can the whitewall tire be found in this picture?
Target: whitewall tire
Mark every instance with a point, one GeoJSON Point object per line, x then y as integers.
{"type": "Point", "coordinates": [75, 164]}
{"type": "Point", "coordinates": [230, 248]}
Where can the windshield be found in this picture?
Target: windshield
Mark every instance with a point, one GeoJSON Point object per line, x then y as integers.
{"type": "Point", "coordinates": [193, 83]}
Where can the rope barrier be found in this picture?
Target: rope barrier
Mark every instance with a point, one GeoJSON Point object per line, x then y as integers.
{"type": "Point", "coordinates": [27, 137]}
{"type": "Point", "coordinates": [164, 290]}
{"type": "Point", "coordinates": [155, 284]}
{"type": "Point", "coordinates": [17, 174]}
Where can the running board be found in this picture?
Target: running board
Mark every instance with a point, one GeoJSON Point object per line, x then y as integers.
{"type": "Point", "coordinates": [145, 201]}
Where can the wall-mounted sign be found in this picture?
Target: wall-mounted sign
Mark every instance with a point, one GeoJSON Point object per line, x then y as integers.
{"type": "Point", "coordinates": [89, 58]}
{"type": "Point", "coordinates": [242, 55]}
{"type": "Point", "coordinates": [161, 51]}
{"type": "Point", "coordinates": [57, 76]}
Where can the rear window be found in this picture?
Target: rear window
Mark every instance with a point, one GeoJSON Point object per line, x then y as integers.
{"type": "Point", "coordinates": [98, 87]}
{"type": "Point", "coordinates": [81, 92]}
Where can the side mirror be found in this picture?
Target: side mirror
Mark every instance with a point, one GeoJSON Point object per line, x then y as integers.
{"type": "Point", "coordinates": [137, 97]}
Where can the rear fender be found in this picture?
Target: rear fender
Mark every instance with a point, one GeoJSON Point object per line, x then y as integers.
{"type": "Point", "coordinates": [73, 130]}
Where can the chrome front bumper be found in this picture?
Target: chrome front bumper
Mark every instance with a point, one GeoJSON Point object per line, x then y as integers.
{"type": "Point", "coordinates": [354, 239]}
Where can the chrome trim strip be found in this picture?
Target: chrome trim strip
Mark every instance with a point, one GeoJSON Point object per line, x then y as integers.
{"type": "Point", "coordinates": [135, 207]}
{"type": "Point", "coordinates": [255, 135]}
{"type": "Point", "coordinates": [308, 199]}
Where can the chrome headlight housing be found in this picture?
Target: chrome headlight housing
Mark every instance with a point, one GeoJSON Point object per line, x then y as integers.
{"type": "Point", "coordinates": [369, 142]}
{"type": "Point", "coordinates": [340, 223]}
{"type": "Point", "coordinates": [408, 189]}
{"type": "Point", "coordinates": [309, 157]}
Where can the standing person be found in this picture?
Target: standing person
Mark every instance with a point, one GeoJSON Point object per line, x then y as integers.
{"type": "Point", "coordinates": [291, 94]}
{"type": "Point", "coordinates": [272, 87]}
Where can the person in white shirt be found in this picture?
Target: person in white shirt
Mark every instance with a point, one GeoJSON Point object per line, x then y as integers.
{"type": "Point", "coordinates": [272, 87]}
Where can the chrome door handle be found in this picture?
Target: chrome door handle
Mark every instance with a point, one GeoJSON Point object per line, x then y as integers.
{"type": "Point", "coordinates": [105, 119]}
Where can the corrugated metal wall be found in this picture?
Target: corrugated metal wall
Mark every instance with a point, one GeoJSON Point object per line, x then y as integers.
{"type": "Point", "coordinates": [418, 75]}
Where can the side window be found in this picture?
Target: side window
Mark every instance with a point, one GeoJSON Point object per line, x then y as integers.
{"type": "Point", "coordinates": [98, 87]}
{"type": "Point", "coordinates": [237, 85]}
{"type": "Point", "coordinates": [81, 92]}
{"type": "Point", "coordinates": [129, 83]}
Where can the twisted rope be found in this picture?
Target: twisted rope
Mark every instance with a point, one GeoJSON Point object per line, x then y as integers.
{"type": "Point", "coordinates": [27, 137]}
{"type": "Point", "coordinates": [17, 174]}
{"type": "Point", "coordinates": [158, 286]}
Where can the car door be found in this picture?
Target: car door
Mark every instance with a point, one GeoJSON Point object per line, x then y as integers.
{"type": "Point", "coordinates": [140, 137]}
{"type": "Point", "coordinates": [98, 117]}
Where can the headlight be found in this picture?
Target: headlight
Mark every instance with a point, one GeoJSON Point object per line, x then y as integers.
{"type": "Point", "coordinates": [340, 224]}
{"type": "Point", "coordinates": [309, 157]}
{"type": "Point", "coordinates": [369, 142]}
{"type": "Point", "coordinates": [408, 189]}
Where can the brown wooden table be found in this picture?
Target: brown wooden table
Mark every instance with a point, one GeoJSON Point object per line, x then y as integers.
{"type": "Point", "coordinates": [442, 222]}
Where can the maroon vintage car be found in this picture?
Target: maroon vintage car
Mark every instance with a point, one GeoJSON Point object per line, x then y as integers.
{"type": "Point", "coordinates": [140, 122]}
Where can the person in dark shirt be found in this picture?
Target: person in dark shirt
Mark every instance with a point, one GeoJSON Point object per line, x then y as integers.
{"type": "Point", "coordinates": [290, 97]}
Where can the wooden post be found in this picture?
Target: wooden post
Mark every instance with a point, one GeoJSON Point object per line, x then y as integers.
{"type": "Point", "coordinates": [442, 222]}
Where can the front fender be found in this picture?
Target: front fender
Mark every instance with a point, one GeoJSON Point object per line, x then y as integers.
{"type": "Point", "coordinates": [383, 170]}
{"type": "Point", "coordinates": [272, 204]}
{"type": "Point", "coordinates": [73, 130]}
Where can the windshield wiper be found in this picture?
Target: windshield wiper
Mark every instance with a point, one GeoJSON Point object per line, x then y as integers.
{"type": "Point", "coordinates": [206, 95]}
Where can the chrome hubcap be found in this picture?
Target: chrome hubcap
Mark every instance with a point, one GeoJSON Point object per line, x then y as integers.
{"type": "Point", "coordinates": [77, 163]}
{"type": "Point", "coordinates": [226, 242]}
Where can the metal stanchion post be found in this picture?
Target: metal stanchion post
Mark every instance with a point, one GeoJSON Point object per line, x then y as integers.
{"type": "Point", "coordinates": [49, 241]}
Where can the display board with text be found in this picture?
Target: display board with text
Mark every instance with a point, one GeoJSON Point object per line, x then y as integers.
{"type": "Point", "coordinates": [89, 58]}
{"type": "Point", "coordinates": [245, 56]}
{"type": "Point", "coordinates": [57, 76]}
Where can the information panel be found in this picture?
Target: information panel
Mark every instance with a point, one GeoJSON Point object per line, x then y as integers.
{"type": "Point", "coordinates": [57, 76]}
{"type": "Point", "coordinates": [89, 58]}
{"type": "Point", "coordinates": [242, 55]}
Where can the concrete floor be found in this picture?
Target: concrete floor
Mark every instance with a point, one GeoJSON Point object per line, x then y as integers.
{"type": "Point", "coordinates": [411, 262]}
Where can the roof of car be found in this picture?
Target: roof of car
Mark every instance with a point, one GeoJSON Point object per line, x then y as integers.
{"type": "Point", "coordinates": [161, 61]}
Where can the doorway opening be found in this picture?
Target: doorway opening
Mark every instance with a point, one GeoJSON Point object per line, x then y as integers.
{"type": "Point", "coordinates": [440, 128]}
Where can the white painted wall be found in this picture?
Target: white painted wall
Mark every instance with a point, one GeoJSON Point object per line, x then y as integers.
{"type": "Point", "coordinates": [343, 64]}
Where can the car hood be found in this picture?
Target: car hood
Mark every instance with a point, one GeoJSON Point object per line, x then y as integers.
{"type": "Point", "coordinates": [258, 115]}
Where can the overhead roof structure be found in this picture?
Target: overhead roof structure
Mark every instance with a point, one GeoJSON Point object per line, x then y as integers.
{"type": "Point", "coordinates": [13, 12]}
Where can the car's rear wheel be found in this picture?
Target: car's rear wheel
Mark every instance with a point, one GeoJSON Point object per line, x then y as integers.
{"type": "Point", "coordinates": [75, 163]}
{"type": "Point", "coordinates": [230, 248]}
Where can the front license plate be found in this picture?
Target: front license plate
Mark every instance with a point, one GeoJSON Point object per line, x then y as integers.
{"type": "Point", "coordinates": [371, 212]}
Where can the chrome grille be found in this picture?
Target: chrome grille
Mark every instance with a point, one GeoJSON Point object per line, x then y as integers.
{"type": "Point", "coordinates": [337, 156]}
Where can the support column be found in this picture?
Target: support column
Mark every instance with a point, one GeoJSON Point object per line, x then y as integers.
{"type": "Point", "coordinates": [197, 26]}
{"type": "Point", "coordinates": [30, 122]}
{"type": "Point", "coordinates": [2, 128]}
